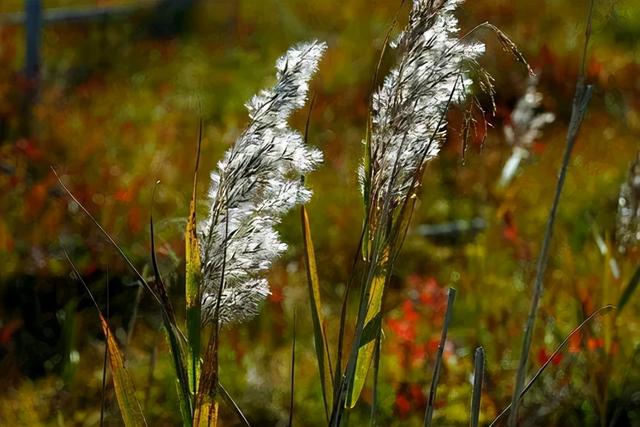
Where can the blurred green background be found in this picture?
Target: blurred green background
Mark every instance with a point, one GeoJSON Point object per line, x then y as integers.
{"type": "Point", "coordinates": [116, 108]}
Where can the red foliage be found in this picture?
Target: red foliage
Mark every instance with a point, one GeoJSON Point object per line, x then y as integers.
{"type": "Point", "coordinates": [575, 342]}
{"type": "Point", "coordinates": [431, 294]}
{"type": "Point", "coordinates": [410, 397]}
{"type": "Point", "coordinates": [29, 149]}
{"type": "Point", "coordinates": [7, 331]}
{"type": "Point", "coordinates": [276, 294]}
{"type": "Point", "coordinates": [401, 406]}
{"type": "Point", "coordinates": [594, 344]}
{"type": "Point", "coordinates": [510, 229]}
{"type": "Point", "coordinates": [124, 195]}
{"type": "Point", "coordinates": [543, 356]}
{"type": "Point", "coordinates": [405, 331]}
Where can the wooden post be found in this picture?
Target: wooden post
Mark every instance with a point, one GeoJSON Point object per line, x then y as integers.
{"type": "Point", "coordinates": [171, 17]}
{"type": "Point", "coordinates": [33, 35]}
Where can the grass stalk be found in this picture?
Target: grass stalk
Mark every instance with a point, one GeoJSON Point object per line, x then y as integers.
{"type": "Point", "coordinates": [293, 371]}
{"type": "Point", "coordinates": [478, 377]}
{"type": "Point", "coordinates": [376, 371]}
{"type": "Point", "coordinates": [103, 396]}
{"type": "Point", "coordinates": [428, 415]}
{"type": "Point", "coordinates": [580, 101]}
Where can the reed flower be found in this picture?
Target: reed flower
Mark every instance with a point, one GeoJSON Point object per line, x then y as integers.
{"type": "Point", "coordinates": [256, 182]}
{"type": "Point", "coordinates": [628, 221]}
{"type": "Point", "coordinates": [409, 110]}
{"type": "Point", "coordinates": [524, 128]}
{"type": "Point", "coordinates": [407, 127]}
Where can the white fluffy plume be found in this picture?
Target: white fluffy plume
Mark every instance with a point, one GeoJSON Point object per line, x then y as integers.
{"type": "Point", "coordinates": [628, 221]}
{"type": "Point", "coordinates": [256, 182]}
{"type": "Point", "coordinates": [409, 110]}
{"type": "Point", "coordinates": [524, 129]}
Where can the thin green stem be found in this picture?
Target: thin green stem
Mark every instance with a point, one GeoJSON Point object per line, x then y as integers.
{"type": "Point", "coordinates": [580, 102]}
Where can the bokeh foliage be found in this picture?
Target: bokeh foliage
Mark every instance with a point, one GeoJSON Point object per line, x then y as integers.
{"type": "Point", "coordinates": [119, 109]}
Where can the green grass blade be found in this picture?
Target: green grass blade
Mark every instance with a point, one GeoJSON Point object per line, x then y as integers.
{"type": "Point", "coordinates": [322, 350]}
{"type": "Point", "coordinates": [373, 317]}
{"type": "Point", "coordinates": [428, 416]}
{"type": "Point", "coordinates": [173, 334]}
{"type": "Point", "coordinates": [376, 371]}
{"type": "Point", "coordinates": [177, 356]}
{"type": "Point", "coordinates": [193, 280]}
{"type": "Point", "coordinates": [366, 345]}
{"type": "Point", "coordinates": [478, 376]}
{"type": "Point", "coordinates": [629, 290]}
{"type": "Point", "coordinates": [581, 100]}
{"type": "Point", "coordinates": [338, 379]}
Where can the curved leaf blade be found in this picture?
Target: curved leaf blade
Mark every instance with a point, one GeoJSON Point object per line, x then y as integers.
{"type": "Point", "coordinates": [192, 296]}
{"type": "Point", "coordinates": [366, 345]}
{"type": "Point", "coordinates": [192, 283]}
{"type": "Point", "coordinates": [130, 408]}
{"type": "Point", "coordinates": [322, 350]}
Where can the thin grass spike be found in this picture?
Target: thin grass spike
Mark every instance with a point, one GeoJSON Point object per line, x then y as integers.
{"type": "Point", "coordinates": [478, 376]}
{"type": "Point", "coordinates": [580, 102]}
{"type": "Point", "coordinates": [428, 416]}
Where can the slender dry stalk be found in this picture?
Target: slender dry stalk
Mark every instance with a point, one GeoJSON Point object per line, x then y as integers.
{"type": "Point", "coordinates": [478, 377]}
{"type": "Point", "coordinates": [103, 395]}
{"type": "Point", "coordinates": [428, 415]}
{"type": "Point", "coordinates": [580, 102]}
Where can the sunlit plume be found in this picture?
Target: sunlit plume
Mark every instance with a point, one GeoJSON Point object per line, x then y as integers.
{"type": "Point", "coordinates": [523, 129]}
{"type": "Point", "coordinates": [628, 220]}
{"type": "Point", "coordinates": [256, 182]}
{"type": "Point", "coordinates": [409, 109]}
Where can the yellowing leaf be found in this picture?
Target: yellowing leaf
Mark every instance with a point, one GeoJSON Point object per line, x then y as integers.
{"type": "Point", "coordinates": [206, 414]}
{"type": "Point", "coordinates": [322, 351]}
{"type": "Point", "coordinates": [125, 393]}
{"type": "Point", "coordinates": [192, 295]}
{"type": "Point", "coordinates": [370, 331]}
